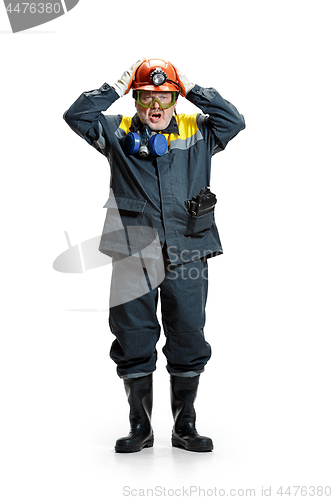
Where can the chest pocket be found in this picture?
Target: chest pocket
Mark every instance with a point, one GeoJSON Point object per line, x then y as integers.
{"type": "Point", "coordinates": [124, 212]}
{"type": "Point", "coordinates": [131, 210]}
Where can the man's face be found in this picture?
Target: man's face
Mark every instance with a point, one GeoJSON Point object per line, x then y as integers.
{"type": "Point", "coordinates": [155, 117]}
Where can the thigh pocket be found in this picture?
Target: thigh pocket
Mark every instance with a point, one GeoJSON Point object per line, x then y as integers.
{"type": "Point", "coordinates": [198, 226]}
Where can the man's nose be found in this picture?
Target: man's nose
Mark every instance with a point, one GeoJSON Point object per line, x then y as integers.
{"type": "Point", "coordinates": [156, 104]}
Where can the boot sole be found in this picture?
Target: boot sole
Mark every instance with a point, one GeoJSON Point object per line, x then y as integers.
{"type": "Point", "coordinates": [181, 444]}
{"type": "Point", "coordinates": [147, 444]}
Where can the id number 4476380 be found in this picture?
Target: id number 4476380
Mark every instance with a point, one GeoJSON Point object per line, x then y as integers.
{"type": "Point", "coordinates": [34, 8]}
{"type": "Point", "coordinates": [311, 491]}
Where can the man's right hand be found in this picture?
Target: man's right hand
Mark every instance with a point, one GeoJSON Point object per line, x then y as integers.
{"type": "Point", "coordinates": [123, 85]}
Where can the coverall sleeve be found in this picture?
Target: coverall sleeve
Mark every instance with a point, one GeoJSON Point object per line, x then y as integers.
{"type": "Point", "coordinates": [223, 121]}
{"type": "Point", "coordinates": [85, 116]}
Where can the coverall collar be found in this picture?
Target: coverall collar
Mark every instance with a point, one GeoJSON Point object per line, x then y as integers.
{"type": "Point", "coordinates": [172, 128]}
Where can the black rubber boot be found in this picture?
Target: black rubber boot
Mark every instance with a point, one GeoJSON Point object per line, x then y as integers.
{"type": "Point", "coordinates": [184, 433]}
{"type": "Point", "coordinates": [140, 397]}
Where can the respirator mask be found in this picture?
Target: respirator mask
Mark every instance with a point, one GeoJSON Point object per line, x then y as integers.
{"type": "Point", "coordinates": [145, 143]}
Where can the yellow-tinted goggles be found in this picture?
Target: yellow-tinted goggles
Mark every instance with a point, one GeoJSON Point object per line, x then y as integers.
{"type": "Point", "coordinates": [147, 98]}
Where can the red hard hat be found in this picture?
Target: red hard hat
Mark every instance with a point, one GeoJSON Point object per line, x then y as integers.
{"type": "Point", "coordinates": [158, 70]}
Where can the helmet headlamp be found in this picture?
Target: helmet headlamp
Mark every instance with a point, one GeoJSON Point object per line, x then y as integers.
{"type": "Point", "coordinates": [158, 76]}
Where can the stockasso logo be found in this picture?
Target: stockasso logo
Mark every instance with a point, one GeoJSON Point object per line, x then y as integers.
{"type": "Point", "coordinates": [25, 15]}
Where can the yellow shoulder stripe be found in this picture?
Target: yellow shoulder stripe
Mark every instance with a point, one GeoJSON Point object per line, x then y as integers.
{"type": "Point", "coordinates": [125, 124]}
{"type": "Point", "coordinates": [187, 126]}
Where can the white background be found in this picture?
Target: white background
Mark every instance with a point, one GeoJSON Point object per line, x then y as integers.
{"type": "Point", "coordinates": [266, 395]}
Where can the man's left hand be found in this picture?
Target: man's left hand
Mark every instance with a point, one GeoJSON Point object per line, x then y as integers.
{"type": "Point", "coordinates": [184, 82]}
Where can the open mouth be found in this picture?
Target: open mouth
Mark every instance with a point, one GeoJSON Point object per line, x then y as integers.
{"type": "Point", "coordinates": [155, 116]}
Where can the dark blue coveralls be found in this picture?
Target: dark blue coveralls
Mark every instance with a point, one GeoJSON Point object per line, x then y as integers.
{"type": "Point", "coordinates": [152, 192]}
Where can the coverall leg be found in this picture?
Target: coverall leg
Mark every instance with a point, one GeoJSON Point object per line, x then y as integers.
{"type": "Point", "coordinates": [183, 295]}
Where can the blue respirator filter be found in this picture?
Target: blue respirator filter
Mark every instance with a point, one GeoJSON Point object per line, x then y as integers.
{"type": "Point", "coordinates": [158, 145]}
{"type": "Point", "coordinates": [132, 143]}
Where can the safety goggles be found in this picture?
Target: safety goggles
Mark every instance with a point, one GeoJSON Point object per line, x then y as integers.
{"type": "Point", "coordinates": [147, 98]}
